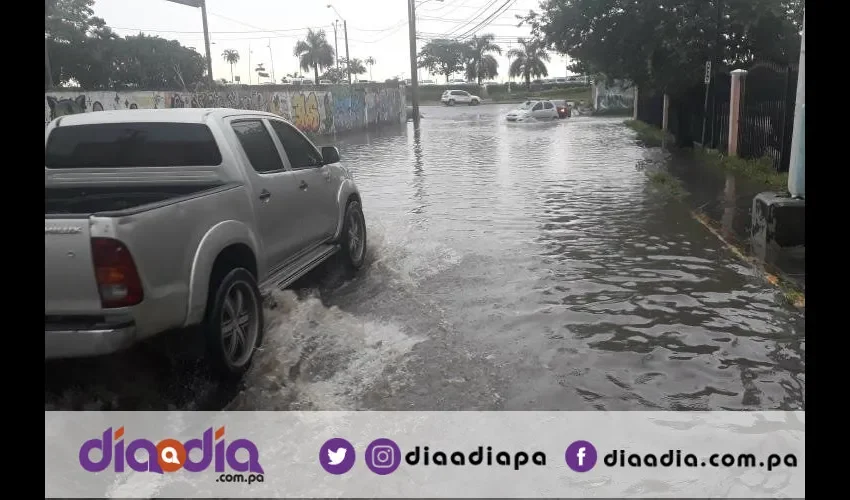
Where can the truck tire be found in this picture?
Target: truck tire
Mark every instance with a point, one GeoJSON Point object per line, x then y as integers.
{"type": "Point", "coordinates": [474, 102]}
{"type": "Point", "coordinates": [353, 237]}
{"type": "Point", "coordinates": [234, 323]}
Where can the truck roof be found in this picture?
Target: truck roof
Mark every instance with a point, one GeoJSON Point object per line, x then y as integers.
{"type": "Point", "coordinates": [175, 115]}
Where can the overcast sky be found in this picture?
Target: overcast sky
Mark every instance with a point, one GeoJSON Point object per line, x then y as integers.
{"type": "Point", "coordinates": [376, 28]}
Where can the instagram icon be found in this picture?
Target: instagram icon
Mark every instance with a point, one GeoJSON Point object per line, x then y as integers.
{"type": "Point", "coordinates": [383, 456]}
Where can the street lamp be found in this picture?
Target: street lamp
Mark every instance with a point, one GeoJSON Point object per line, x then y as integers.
{"type": "Point", "coordinates": [203, 6]}
{"type": "Point", "coordinates": [345, 30]}
{"type": "Point", "coordinates": [414, 80]}
{"type": "Point", "coordinates": [336, 44]}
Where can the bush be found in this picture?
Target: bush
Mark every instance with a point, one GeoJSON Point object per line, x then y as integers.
{"type": "Point", "coordinates": [760, 170]}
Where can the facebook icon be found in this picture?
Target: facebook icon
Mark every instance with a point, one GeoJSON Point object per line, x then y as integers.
{"type": "Point", "coordinates": [580, 456]}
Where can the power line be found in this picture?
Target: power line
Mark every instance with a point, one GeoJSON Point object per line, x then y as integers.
{"type": "Point", "coordinates": [223, 32]}
{"type": "Point", "coordinates": [483, 24]}
{"type": "Point", "coordinates": [471, 20]}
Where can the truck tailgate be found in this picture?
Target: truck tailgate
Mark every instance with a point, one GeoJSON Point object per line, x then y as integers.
{"type": "Point", "coordinates": [69, 280]}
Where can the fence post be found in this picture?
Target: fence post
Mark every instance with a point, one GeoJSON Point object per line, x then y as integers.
{"type": "Point", "coordinates": [635, 108]}
{"type": "Point", "coordinates": [735, 99]}
{"type": "Point", "coordinates": [665, 120]}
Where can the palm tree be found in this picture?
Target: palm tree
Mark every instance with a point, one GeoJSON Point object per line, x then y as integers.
{"type": "Point", "coordinates": [232, 57]}
{"type": "Point", "coordinates": [314, 52]}
{"type": "Point", "coordinates": [479, 63]}
{"type": "Point", "coordinates": [529, 60]}
{"type": "Point", "coordinates": [357, 67]}
{"type": "Point", "coordinates": [370, 61]}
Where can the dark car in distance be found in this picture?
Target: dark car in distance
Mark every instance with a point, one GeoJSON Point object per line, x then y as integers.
{"type": "Point", "coordinates": [563, 107]}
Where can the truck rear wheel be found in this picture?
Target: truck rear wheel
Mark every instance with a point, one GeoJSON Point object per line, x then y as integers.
{"type": "Point", "coordinates": [233, 326]}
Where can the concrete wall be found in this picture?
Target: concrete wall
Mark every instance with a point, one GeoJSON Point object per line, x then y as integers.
{"type": "Point", "coordinates": [318, 111]}
{"type": "Point", "coordinates": [619, 96]}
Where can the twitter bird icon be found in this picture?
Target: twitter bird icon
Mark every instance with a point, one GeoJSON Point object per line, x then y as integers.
{"type": "Point", "coordinates": [336, 456]}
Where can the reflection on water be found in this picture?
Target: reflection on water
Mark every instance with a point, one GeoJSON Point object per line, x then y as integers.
{"type": "Point", "coordinates": [730, 206]}
{"type": "Point", "coordinates": [527, 267]}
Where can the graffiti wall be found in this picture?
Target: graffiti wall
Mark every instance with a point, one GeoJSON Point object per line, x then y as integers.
{"type": "Point", "coordinates": [322, 112]}
{"type": "Point", "coordinates": [619, 96]}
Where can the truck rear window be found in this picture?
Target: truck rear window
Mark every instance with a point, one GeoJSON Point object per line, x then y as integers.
{"type": "Point", "coordinates": [146, 144]}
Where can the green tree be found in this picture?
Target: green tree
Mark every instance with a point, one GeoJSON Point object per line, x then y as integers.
{"type": "Point", "coordinates": [370, 61]}
{"type": "Point", "coordinates": [479, 63]}
{"type": "Point", "coordinates": [80, 46]}
{"type": "Point", "coordinates": [334, 74]}
{"type": "Point", "coordinates": [528, 60]}
{"type": "Point", "coordinates": [231, 56]}
{"type": "Point", "coordinates": [151, 62]}
{"type": "Point", "coordinates": [86, 52]}
{"type": "Point", "coordinates": [442, 57]}
{"type": "Point", "coordinates": [665, 44]}
{"type": "Point", "coordinates": [314, 52]}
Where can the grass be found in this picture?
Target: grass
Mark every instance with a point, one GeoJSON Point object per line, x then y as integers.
{"type": "Point", "coordinates": [647, 134]}
{"type": "Point", "coordinates": [667, 183]}
{"type": "Point", "coordinates": [758, 170]}
{"type": "Point", "coordinates": [573, 94]}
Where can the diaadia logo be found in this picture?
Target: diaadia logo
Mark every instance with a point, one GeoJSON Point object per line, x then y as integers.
{"type": "Point", "coordinates": [170, 455]}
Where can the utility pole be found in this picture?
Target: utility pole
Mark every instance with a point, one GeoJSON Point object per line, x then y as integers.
{"type": "Point", "coordinates": [203, 5]}
{"type": "Point", "coordinates": [347, 57]}
{"type": "Point", "coordinates": [336, 43]}
{"type": "Point", "coordinates": [46, 55]}
{"type": "Point", "coordinates": [797, 168]}
{"type": "Point", "coordinates": [271, 56]}
{"type": "Point", "coordinates": [250, 68]}
{"type": "Point", "coordinates": [414, 78]}
{"type": "Point", "coordinates": [207, 40]}
{"type": "Point", "coordinates": [345, 30]}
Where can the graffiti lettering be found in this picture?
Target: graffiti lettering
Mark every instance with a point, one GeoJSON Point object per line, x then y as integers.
{"type": "Point", "coordinates": [61, 107]}
{"type": "Point", "coordinates": [317, 112]}
{"type": "Point", "coordinates": [305, 112]}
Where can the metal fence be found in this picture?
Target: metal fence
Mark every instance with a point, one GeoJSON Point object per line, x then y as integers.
{"type": "Point", "coordinates": [767, 113]}
{"type": "Point", "coordinates": [686, 112]}
{"type": "Point", "coordinates": [766, 117]}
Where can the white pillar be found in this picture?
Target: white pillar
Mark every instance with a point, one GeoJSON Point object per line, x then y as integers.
{"type": "Point", "coordinates": [797, 168]}
{"type": "Point", "coordinates": [737, 90]}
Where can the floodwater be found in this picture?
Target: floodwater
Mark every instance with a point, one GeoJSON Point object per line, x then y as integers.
{"type": "Point", "coordinates": [511, 267]}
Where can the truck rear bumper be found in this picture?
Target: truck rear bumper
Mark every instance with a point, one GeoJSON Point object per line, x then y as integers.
{"type": "Point", "coordinates": [75, 341]}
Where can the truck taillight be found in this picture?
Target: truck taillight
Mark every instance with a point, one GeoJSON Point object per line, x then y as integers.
{"type": "Point", "coordinates": [117, 277]}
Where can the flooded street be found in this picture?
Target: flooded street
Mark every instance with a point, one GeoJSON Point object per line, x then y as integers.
{"type": "Point", "coordinates": [511, 267]}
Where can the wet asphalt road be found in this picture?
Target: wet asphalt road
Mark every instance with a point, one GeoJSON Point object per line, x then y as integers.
{"type": "Point", "coordinates": [512, 267]}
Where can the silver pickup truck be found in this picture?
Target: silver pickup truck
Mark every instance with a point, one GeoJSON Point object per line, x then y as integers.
{"type": "Point", "coordinates": [161, 220]}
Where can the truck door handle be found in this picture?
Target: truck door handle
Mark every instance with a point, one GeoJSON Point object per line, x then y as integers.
{"type": "Point", "coordinates": [303, 185]}
{"type": "Point", "coordinates": [265, 195]}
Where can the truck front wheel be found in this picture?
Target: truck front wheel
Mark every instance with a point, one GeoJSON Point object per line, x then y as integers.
{"type": "Point", "coordinates": [353, 237]}
{"type": "Point", "coordinates": [233, 326]}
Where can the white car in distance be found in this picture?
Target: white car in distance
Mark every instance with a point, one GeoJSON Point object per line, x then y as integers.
{"type": "Point", "coordinates": [452, 97]}
{"type": "Point", "coordinates": [533, 110]}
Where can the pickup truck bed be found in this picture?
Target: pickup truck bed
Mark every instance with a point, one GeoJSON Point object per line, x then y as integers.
{"type": "Point", "coordinates": [96, 199]}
